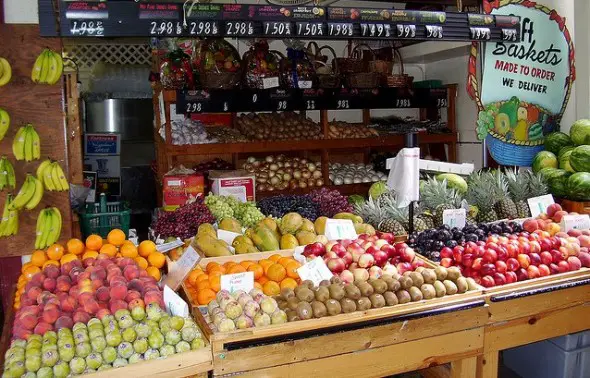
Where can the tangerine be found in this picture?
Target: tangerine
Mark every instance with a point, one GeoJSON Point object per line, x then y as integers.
{"type": "Point", "coordinates": [88, 254]}
{"type": "Point", "coordinates": [55, 252]}
{"type": "Point", "coordinates": [30, 271]}
{"type": "Point", "coordinates": [201, 277]}
{"type": "Point", "coordinates": [94, 242]}
{"type": "Point", "coordinates": [146, 248]}
{"type": "Point", "coordinates": [288, 282]}
{"type": "Point", "coordinates": [276, 272]}
{"type": "Point", "coordinates": [257, 269]}
{"type": "Point", "coordinates": [291, 269]}
{"type": "Point", "coordinates": [284, 261]}
{"type": "Point", "coordinates": [141, 262]}
{"type": "Point", "coordinates": [25, 266]}
{"type": "Point", "coordinates": [192, 277]}
{"type": "Point", "coordinates": [203, 284]}
{"type": "Point", "coordinates": [154, 272]}
{"type": "Point", "coordinates": [205, 296]}
{"type": "Point", "coordinates": [275, 258]}
{"type": "Point", "coordinates": [215, 283]}
{"type": "Point", "coordinates": [67, 258]}
{"type": "Point", "coordinates": [262, 280]}
{"type": "Point", "coordinates": [257, 285]}
{"type": "Point", "coordinates": [236, 269]}
{"type": "Point", "coordinates": [75, 246]}
{"type": "Point", "coordinates": [271, 288]}
{"type": "Point", "coordinates": [38, 258]}
{"type": "Point", "coordinates": [109, 250]}
{"type": "Point", "coordinates": [265, 263]}
{"type": "Point", "coordinates": [212, 265]}
{"type": "Point", "coordinates": [129, 250]}
{"type": "Point", "coordinates": [51, 262]}
{"type": "Point", "coordinates": [157, 259]}
{"type": "Point", "coordinates": [116, 237]}
{"type": "Point", "coordinates": [246, 263]}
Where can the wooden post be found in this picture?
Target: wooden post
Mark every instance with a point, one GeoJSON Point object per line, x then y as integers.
{"type": "Point", "coordinates": [487, 365]}
{"type": "Point", "coordinates": [465, 368]}
{"type": "Point", "coordinates": [74, 129]}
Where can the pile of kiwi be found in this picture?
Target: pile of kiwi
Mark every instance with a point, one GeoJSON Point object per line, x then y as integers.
{"type": "Point", "coordinates": [334, 297]}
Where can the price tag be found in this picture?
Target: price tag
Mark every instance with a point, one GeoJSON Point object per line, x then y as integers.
{"type": "Point", "coordinates": [434, 31]}
{"type": "Point", "coordinates": [539, 205]}
{"type": "Point", "coordinates": [454, 218]}
{"type": "Point", "coordinates": [403, 103]}
{"type": "Point", "coordinates": [240, 281]}
{"type": "Point", "coordinates": [311, 29]}
{"type": "Point", "coordinates": [480, 34]}
{"type": "Point", "coordinates": [575, 222]}
{"type": "Point", "coordinates": [87, 28]}
{"type": "Point", "coordinates": [175, 305]}
{"type": "Point", "coordinates": [405, 31]}
{"type": "Point", "coordinates": [227, 236]}
{"type": "Point", "coordinates": [166, 28]}
{"type": "Point", "coordinates": [270, 82]}
{"type": "Point", "coordinates": [298, 255]}
{"type": "Point", "coordinates": [316, 271]}
{"type": "Point", "coordinates": [509, 35]}
{"type": "Point", "coordinates": [203, 28]}
{"type": "Point", "coordinates": [343, 104]}
{"type": "Point", "coordinates": [178, 271]}
{"type": "Point", "coordinates": [340, 29]}
{"type": "Point", "coordinates": [337, 229]}
{"type": "Point", "coordinates": [305, 84]}
{"type": "Point", "coordinates": [441, 102]}
{"type": "Point", "coordinates": [169, 246]}
{"type": "Point", "coordinates": [277, 28]}
{"type": "Point", "coordinates": [376, 30]}
{"type": "Point", "coordinates": [194, 107]}
{"type": "Point", "coordinates": [239, 28]}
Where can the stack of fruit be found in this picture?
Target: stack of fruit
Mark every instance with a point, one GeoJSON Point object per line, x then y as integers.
{"type": "Point", "coordinates": [353, 174]}
{"type": "Point", "coordinates": [339, 130]}
{"type": "Point", "coordinates": [281, 173]}
{"type": "Point", "coordinates": [47, 68]}
{"type": "Point", "coordinates": [278, 126]}
{"type": "Point", "coordinates": [222, 207]}
{"type": "Point", "coordinates": [5, 72]}
{"type": "Point", "coordinates": [182, 222]}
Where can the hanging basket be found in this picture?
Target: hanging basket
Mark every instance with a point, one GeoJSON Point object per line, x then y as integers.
{"type": "Point", "coordinates": [364, 78]}
{"type": "Point", "coordinates": [401, 79]}
{"type": "Point", "coordinates": [327, 77]}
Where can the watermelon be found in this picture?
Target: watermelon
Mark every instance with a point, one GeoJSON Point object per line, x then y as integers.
{"type": "Point", "coordinates": [564, 161]}
{"type": "Point", "coordinates": [557, 182]}
{"type": "Point", "coordinates": [564, 150]}
{"type": "Point", "coordinates": [544, 159]}
{"type": "Point", "coordinates": [580, 158]}
{"type": "Point", "coordinates": [454, 181]}
{"type": "Point", "coordinates": [580, 132]}
{"type": "Point", "coordinates": [578, 186]}
{"type": "Point", "coordinates": [547, 172]}
{"type": "Point", "coordinates": [556, 141]}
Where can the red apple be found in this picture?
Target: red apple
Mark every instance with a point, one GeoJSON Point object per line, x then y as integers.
{"type": "Point", "coordinates": [346, 242]}
{"type": "Point", "coordinates": [337, 248]}
{"type": "Point", "coordinates": [408, 255]}
{"type": "Point", "coordinates": [477, 263]}
{"type": "Point", "coordinates": [446, 252]}
{"type": "Point", "coordinates": [563, 266]}
{"type": "Point", "coordinates": [347, 257]}
{"type": "Point", "coordinates": [346, 276]}
{"type": "Point", "coordinates": [488, 269]}
{"type": "Point", "coordinates": [360, 275]}
{"type": "Point", "coordinates": [467, 260]}
{"type": "Point", "coordinates": [330, 255]}
{"type": "Point", "coordinates": [490, 256]}
{"type": "Point", "coordinates": [375, 272]}
{"type": "Point", "coordinates": [499, 279]}
{"type": "Point", "coordinates": [380, 258]}
{"type": "Point", "coordinates": [446, 262]}
{"type": "Point", "coordinates": [389, 237]}
{"type": "Point", "coordinates": [380, 243]}
{"type": "Point", "coordinates": [457, 256]}
{"type": "Point", "coordinates": [535, 258]}
{"type": "Point", "coordinates": [546, 258]}
{"type": "Point", "coordinates": [404, 267]}
{"type": "Point", "coordinates": [400, 246]}
{"type": "Point", "coordinates": [366, 245]}
{"type": "Point", "coordinates": [533, 272]}
{"type": "Point", "coordinates": [418, 263]}
{"type": "Point", "coordinates": [512, 264]}
{"type": "Point", "coordinates": [371, 250]}
{"type": "Point", "coordinates": [501, 266]}
{"type": "Point", "coordinates": [314, 249]}
{"type": "Point", "coordinates": [356, 251]}
{"type": "Point", "coordinates": [389, 249]}
{"type": "Point", "coordinates": [488, 281]}
{"type": "Point", "coordinates": [366, 260]}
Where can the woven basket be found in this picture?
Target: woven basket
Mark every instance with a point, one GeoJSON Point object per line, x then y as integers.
{"type": "Point", "coordinates": [220, 80]}
{"type": "Point", "coordinates": [366, 78]}
{"type": "Point", "coordinates": [256, 81]}
{"type": "Point", "coordinates": [313, 52]}
{"type": "Point", "coordinates": [398, 80]}
{"type": "Point", "coordinates": [354, 63]}
{"type": "Point", "coordinates": [327, 80]}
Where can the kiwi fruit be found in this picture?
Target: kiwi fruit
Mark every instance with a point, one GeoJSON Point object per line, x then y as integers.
{"type": "Point", "coordinates": [319, 309]}
{"type": "Point", "coordinates": [471, 284]}
{"type": "Point", "coordinates": [365, 288]}
{"type": "Point", "coordinates": [292, 316]}
{"type": "Point", "coordinates": [325, 283]}
{"type": "Point", "coordinates": [352, 291]}
{"type": "Point", "coordinates": [347, 305]}
{"type": "Point", "coordinates": [393, 285]}
{"type": "Point", "coordinates": [336, 291]}
{"type": "Point", "coordinates": [450, 286]}
{"type": "Point", "coordinates": [403, 296]}
{"type": "Point", "coordinates": [417, 279]}
{"type": "Point", "coordinates": [406, 282]}
{"type": "Point", "coordinates": [305, 295]}
{"type": "Point", "coordinates": [428, 291]}
{"type": "Point", "coordinates": [441, 273]}
{"type": "Point", "coordinates": [390, 298]}
{"type": "Point", "coordinates": [441, 289]}
{"type": "Point", "coordinates": [419, 269]}
{"type": "Point", "coordinates": [462, 285]}
{"type": "Point", "coordinates": [335, 280]}
{"type": "Point", "coordinates": [363, 304]}
{"type": "Point", "coordinates": [307, 283]}
{"type": "Point", "coordinates": [304, 311]}
{"type": "Point", "coordinates": [283, 305]}
{"type": "Point", "coordinates": [287, 293]}
{"type": "Point", "coordinates": [453, 273]}
{"type": "Point", "coordinates": [377, 300]}
{"type": "Point", "coordinates": [428, 275]}
{"type": "Point", "coordinates": [292, 303]}
{"type": "Point", "coordinates": [415, 294]}
{"type": "Point", "coordinates": [322, 294]}
{"type": "Point", "coordinates": [333, 307]}
{"type": "Point", "coordinates": [379, 286]}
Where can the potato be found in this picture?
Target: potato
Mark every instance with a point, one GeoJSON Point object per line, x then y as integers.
{"type": "Point", "coordinates": [365, 288]}
{"type": "Point", "coordinates": [292, 303]}
{"type": "Point", "coordinates": [451, 287]}
{"type": "Point", "coordinates": [352, 291]}
{"type": "Point", "coordinates": [406, 282]}
{"type": "Point", "coordinates": [322, 294]}
{"type": "Point", "coordinates": [441, 273]}
{"type": "Point", "coordinates": [348, 305]}
{"type": "Point", "coordinates": [304, 311]}
{"type": "Point", "coordinates": [390, 298]}
{"type": "Point", "coordinates": [305, 295]}
{"type": "Point", "coordinates": [377, 300]}
{"type": "Point", "coordinates": [415, 294]}
{"type": "Point", "coordinates": [319, 309]}
{"type": "Point", "coordinates": [440, 288]}
{"type": "Point", "coordinates": [363, 304]}
{"type": "Point", "coordinates": [336, 291]}
{"type": "Point", "coordinates": [403, 296]}
{"type": "Point", "coordinates": [292, 316]}
{"type": "Point", "coordinates": [429, 276]}
{"type": "Point", "coordinates": [333, 307]}
{"type": "Point", "coordinates": [428, 291]}
{"type": "Point", "coordinates": [462, 285]}
{"type": "Point", "coordinates": [417, 279]}
{"type": "Point", "coordinates": [379, 286]}
{"type": "Point", "coordinates": [453, 273]}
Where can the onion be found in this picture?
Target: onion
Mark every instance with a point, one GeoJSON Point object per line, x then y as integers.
{"type": "Point", "coordinates": [273, 167]}
{"type": "Point", "coordinates": [311, 167]}
{"type": "Point", "coordinates": [287, 164]}
{"type": "Point", "coordinates": [275, 180]}
{"type": "Point", "coordinates": [317, 174]}
{"type": "Point", "coordinates": [280, 171]}
{"type": "Point", "coordinates": [270, 188]}
{"type": "Point", "coordinates": [261, 187]}
{"type": "Point", "coordinates": [302, 184]}
{"type": "Point", "coordinates": [269, 159]}
{"type": "Point", "coordinates": [366, 179]}
{"type": "Point", "coordinates": [256, 164]}
{"type": "Point", "coordinates": [338, 181]}
{"type": "Point", "coordinates": [262, 175]}
{"type": "Point", "coordinates": [271, 173]}
{"type": "Point", "coordinates": [286, 176]}
{"type": "Point", "coordinates": [357, 180]}
{"type": "Point", "coordinates": [281, 164]}
{"type": "Point", "coordinates": [293, 184]}
{"type": "Point", "coordinates": [319, 182]}
{"type": "Point", "coordinates": [303, 161]}
{"type": "Point", "coordinates": [297, 174]}
{"type": "Point", "coordinates": [305, 174]}
{"type": "Point", "coordinates": [248, 166]}
{"type": "Point", "coordinates": [347, 180]}
{"type": "Point", "coordinates": [261, 180]}
{"type": "Point", "coordinates": [251, 159]}
{"type": "Point", "coordinates": [311, 182]}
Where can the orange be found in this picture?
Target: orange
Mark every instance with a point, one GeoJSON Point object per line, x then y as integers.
{"type": "Point", "coordinates": [146, 247]}
{"type": "Point", "coordinates": [55, 252]}
{"type": "Point", "coordinates": [228, 265]}
{"type": "Point", "coordinates": [215, 273]}
{"type": "Point", "coordinates": [30, 271]}
{"type": "Point", "coordinates": [257, 269]}
{"type": "Point", "coordinates": [192, 277]}
{"type": "Point", "coordinates": [262, 280]}
{"type": "Point", "coordinates": [143, 264]}
{"type": "Point", "coordinates": [204, 284]}
{"type": "Point", "coordinates": [157, 259]}
{"type": "Point", "coordinates": [291, 269]}
{"type": "Point", "coordinates": [205, 296]}
{"type": "Point", "coordinates": [67, 258]}
{"type": "Point", "coordinates": [246, 263]}
{"type": "Point", "coordinates": [88, 254]}
{"type": "Point", "coordinates": [216, 270]}
{"type": "Point", "coordinates": [26, 266]}
{"type": "Point", "coordinates": [236, 269]}
{"type": "Point", "coordinates": [116, 237]}
{"type": "Point", "coordinates": [75, 246]}
{"type": "Point", "coordinates": [265, 264]}
{"type": "Point", "coordinates": [129, 250]}
{"type": "Point", "coordinates": [257, 285]}
{"type": "Point", "coordinates": [93, 242]}
{"type": "Point", "coordinates": [215, 283]}
{"type": "Point", "coordinates": [284, 261]}
{"type": "Point", "coordinates": [288, 282]}
{"type": "Point", "coordinates": [202, 277]}
{"type": "Point", "coordinates": [276, 272]}
{"type": "Point", "coordinates": [51, 262]}
{"type": "Point", "coordinates": [271, 288]}
{"type": "Point", "coordinates": [154, 272]}
{"type": "Point", "coordinates": [109, 250]}
{"type": "Point", "coordinates": [212, 265]}
{"type": "Point", "coordinates": [38, 258]}
{"type": "Point", "coordinates": [275, 258]}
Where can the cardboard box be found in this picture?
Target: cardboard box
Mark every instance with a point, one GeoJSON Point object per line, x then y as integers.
{"type": "Point", "coordinates": [178, 189]}
{"type": "Point", "coordinates": [102, 144]}
{"type": "Point", "coordinates": [239, 184]}
{"type": "Point", "coordinates": [104, 165]}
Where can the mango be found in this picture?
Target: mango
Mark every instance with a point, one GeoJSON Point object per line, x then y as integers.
{"type": "Point", "coordinates": [206, 228]}
{"type": "Point", "coordinates": [244, 247]}
{"type": "Point", "coordinates": [353, 217]}
{"type": "Point", "coordinates": [320, 225]}
{"type": "Point", "coordinates": [242, 239]}
{"type": "Point", "coordinates": [210, 246]}
{"type": "Point", "coordinates": [307, 226]}
{"type": "Point", "coordinates": [364, 228]}
{"type": "Point", "coordinates": [264, 239]}
{"type": "Point", "coordinates": [305, 237]}
{"type": "Point", "coordinates": [290, 223]}
{"type": "Point", "coordinates": [288, 241]}
{"type": "Point", "coordinates": [230, 224]}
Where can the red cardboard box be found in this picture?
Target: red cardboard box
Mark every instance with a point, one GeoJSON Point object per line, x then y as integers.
{"type": "Point", "coordinates": [239, 184]}
{"type": "Point", "coordinates": [178, 189]}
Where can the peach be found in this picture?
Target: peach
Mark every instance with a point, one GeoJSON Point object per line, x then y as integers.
{"type": "Point", "coordinates": [42, 328]}
{"type": "Point", "coordinates": [102, 294]}
{"type": "Point", "coordinates": [31, 285]}
{"type": "Point", "coordinates": [37, 279]}
{"type": "Point", "coordinates": [86, 289]}
{"type": "Point", "coordinates": [131, 295]}
{"type": "Point", "coordinates": [27, 321]}
{"type": "Point", "coordinates": [89, 261]}
{"type": "Point", "coordinates": [21, 333]}
{"type": "Point", "coordinates": [64, 322]}
{"type": "Point", "coordinates": [584, 240]}
{"type": "Point", "coordinates": [50, 314]}
{"type": "Point", "coordinates": [131, 272]}
{"type": "Point", "coordinates": [584, 259]}
{"type": "Point", "coordinates": [49, 284]}
{"type": "Point", "coordinates": [81, 316]}
{"type": "Point", "coordinates": [530, 225]}
{"type": "Point", "coordinates": [102, 313]}
{"type": "Point", "coordinates": [553, 209]}
{"type": "Point", "coordinates": [68, 304]}
{"type": "Point", "coordinates": [125, 261]}
{"type": "Point", "coordinates": [136, 303]}
{"type": "Point", "coordinates": [98, 274]}
{"type": "Point", "coordinates": [75, 272]}
{"type": "Point", "coordinates": [61, 295]}
{"type": "Point", "coordinates": [574, 233]}
{"type": "Point", "coordinates": [152, 296]}
{"type": "Point", "coordinates": [558, 216]}
{"type": "Point", "coordinates": [103, 256]}
{"type": "Point", "coordinates": [32, 309]}
{"type": "Point", "coordinates": [117, 304]}
{"type": "Point", "coordinates": [74, 291]}
{"type": "Point", "coordinates": [63, 283]}
{"type": "Point", "coordinates": [102, 305]}
{"type": "Point", "coordinates": [44, 297]}
{"type": "Point", "coordinates": [574, 263]}
{"type": "Point", "coordinates": [51, 271]}
{"type": "Point", "coordinates": [143, 273]}
{"type": "Point", "coordinates": [84, 275]}
{"type": "Point", "coordinates": [136, 285]}
{"type": "Point", "coordinates": [552, 228]}
{"type": "Point", "coordinates": [85, 282]}
{"type": "Point", "coordinates": [34, 292]}
{"type": "Point", "coordinates": [26, 301]}
{"type": "Point", "coordinates": [97, 284]}
{"type": "Point", "coordinates": [118, 292]}
{"type": "Point", "coordinates": [91, 306]}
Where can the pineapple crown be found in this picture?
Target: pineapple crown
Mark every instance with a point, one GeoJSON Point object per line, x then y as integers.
{"type": "Point", "coordinates": [370, 211]}
{"type": "Point", "coordinates": [483, 190]}
{"type": "Point", "coordinates": [537, 186]}
{"type": "Point", "coordinates": [435, 192]}
{"type": "Point", "coordinates": [518, 184]}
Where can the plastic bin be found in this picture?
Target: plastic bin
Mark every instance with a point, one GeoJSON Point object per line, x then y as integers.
{"type": "Point", "coordinates": [546, 360]}
{"type": "Point", "coordinates": [574, 341]}
{"type": "Point", "coordinates": [100, 218]}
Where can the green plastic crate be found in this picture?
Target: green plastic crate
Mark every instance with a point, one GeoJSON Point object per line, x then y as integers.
{"type": "Point", "coordinates": [100, 218]}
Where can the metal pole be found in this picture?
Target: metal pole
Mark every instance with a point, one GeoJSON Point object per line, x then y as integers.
{"type": "Point", "coordinates": [411, 141]}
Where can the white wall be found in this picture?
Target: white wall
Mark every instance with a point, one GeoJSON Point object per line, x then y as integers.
{"type": "Point", "coordinates": [21, 12]}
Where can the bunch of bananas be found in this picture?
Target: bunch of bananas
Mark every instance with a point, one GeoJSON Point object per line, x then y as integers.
{"type": "Point", "coordinates": [7, 178]}
{"type": "Point", "coordinates": [48, 227]}
{"type": "Point", "coordinates": [47, 68]}
{"type": "Point", "coordinates": [4, 122]}
{"type": "Point", "coordinates": [26, 144]}
{"type": "Point", "coordinates": [29, 195]}
{"type": "Point", "coordinates": [9, 222]}
{"type": "Point", "coordinates": [5, 72]}
{"type": "Point", "coordinates": [52, 175]}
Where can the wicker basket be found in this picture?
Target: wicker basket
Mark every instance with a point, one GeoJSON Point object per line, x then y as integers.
{"type": "Point", "coordinates": [220, 80]}
{"type": "Point", "coordinates": [366, 78]}
{"type": "Point", "coordinates": [353, 63]}
{"type": "Point", "coordinates": [399, 80]}
{"type": "Point", "coordinates": [256, 81]}
{"type": "Point", "coordinates": [330, 79]}
{"type": "Point", "coordinates": [313, 52]}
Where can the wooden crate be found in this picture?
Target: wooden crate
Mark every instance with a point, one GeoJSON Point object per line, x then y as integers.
{"type": "Point", "coordinates": [576, 206]}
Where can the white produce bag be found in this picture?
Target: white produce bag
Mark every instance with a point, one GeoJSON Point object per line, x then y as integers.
{"type": "Point", "coordinates": [404, 176]}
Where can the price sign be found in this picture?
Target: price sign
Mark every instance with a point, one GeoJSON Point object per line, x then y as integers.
{"type": "Point", "coordinates": [194, 107]}
{"type": "Point", "coordinates": [240, 281]}
{"type": "Point", "coordinates": [540, 204]}
{"type": "Point", "coordinates": [480, 34]}
{"type": "Point", "coordinates": [203, 28]}
{"type": "Point", "coordinates": [316, 271]}
{"type": "Point", "coordinates": [269, 82]}
{"type": "Point", "coordinates": [403, 103]}
{"type": "Point", "coordinates": [575, 222]}
{"type": "Point", "coordinates": [343, 104]}
{"type": "Point", "coordinates": [174, 304]}
{"type": "Point", "coordinates": [165, 28]}
{"type": "Point", "coordinates": [239, 28]}
{"type": "Point", "coordinates": [509, 35]}
{"type": "Point", "coordinates": [227, 236]}
{"type": "Point", "coordinates": [337, 229]}
{"type": "Point", "coordinates": [311, 29]}
{"type": "Point", "coordinates": [169, 246]}
{"type": "Point", "coordinates": [405, 31]}
{"type": "Point", "coordinates": [276, 28]}
{"type": "Point", "coordinates": [434, 31]}
{"type": "Point", "coordinates": [178, 270]}
{"type": "Point", "coordinates": [454, 218]}
{"type": "Point", "coordinates": [441, 102]}
{"type": "Point", "coordinates": [376, 30]}
{"type": "Point", "coordinates": [87, 28]}
{"type": "Point", "coordinates": [340, 29]}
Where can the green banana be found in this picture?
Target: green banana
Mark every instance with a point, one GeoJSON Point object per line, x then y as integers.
{"type": "Point", "coordinates": [18, 144]}
{"type": "Point", "coordinates": [10, 174]}
{"type": "Point", "coordinates": [3, 173]}
{"type": "Point", "coordinates": [36, 143]}
{"type": "Point", "coordinates": [4, 123]}
{"type": "Point", "coordinates": [40, 228]}
{"type": "Point", "coordinates": [5, 216]}
{"type": "Point", "coordinates": [28, 144]}
{"type": "Point", "coordinates": [24, 195]}
{"type": "Point", "coordinates": [46, 229]}
{"type": "Point", "coordinates": [37, 196]}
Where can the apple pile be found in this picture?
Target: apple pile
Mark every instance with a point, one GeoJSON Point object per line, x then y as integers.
{"type": "Point", "coordinates": [366, 257]}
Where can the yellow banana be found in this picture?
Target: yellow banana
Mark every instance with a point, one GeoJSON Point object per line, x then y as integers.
{"type": "Point", "coordinates": [3, 173]}
{"type": "Point", "coordinates": [55, 231]}
{"type": "Point", "coordinates": [55, 177]}
{"type": "Point", "coordinates": [5, 216]}
{"type": "Point", "coordinates": [47, 178]}
{"type": "Point", "coordinates": [37, 196]}
{"type": "Point", "coordinates": [1, 70]}
{"type": "Point", "coordinates": [12, 222]}
{"type": "Point", "coordinates": [44, 67]}
{"type": "Point", "coordinates": [6, 72]}
{"type": "Point", "coordinates": [10, 174]}
{"type": "Point", "coordinates": [36, 143]}
{"type": "Point", "coordinates": [18, 144]}
{"type": "Point", "coordinates": [4, 123]}
{"type": "Point", "coordinates": [28, 144]}
{"type": "Point", "coordinates": [36, 72]}
{"type": "Point", "coordinates": [63, 182]}
{"type": "Point", "coordinates": [55, 68]}
{"type": "Point", "coordinates": [24, 195]}
{"type": "Point", "coordinates": [45, 230]}
{"type": "Point", "coordinates": [41, 168]}
{"type": "Point", "coordinates": [40, 228]}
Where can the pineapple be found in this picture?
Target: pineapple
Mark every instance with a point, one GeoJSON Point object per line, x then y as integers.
{"type": "Point", "coordinates": [482, 193]}
{"type": "Point", "coordinates": [392, 226]}
{"type": "Point", "coordinates": [427, 218]}
{"type": "Point", "coordinates": [518, 186]}
{"type": "Point", "coordinates": [402, 215]}
{"type": "Point", "coordinates": [371, 212]}
{"type": "Point", "coordinates": [438, 197]}
{"type": "Point", "coordinates": [505, 207]}
{"type": "Point", "coordinates": [537, 185]}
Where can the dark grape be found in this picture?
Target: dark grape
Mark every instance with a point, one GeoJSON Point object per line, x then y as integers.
{"type": "Point", "coordinates": [184, 221]}
{"type": "Point", "coordinates": [330, 202]}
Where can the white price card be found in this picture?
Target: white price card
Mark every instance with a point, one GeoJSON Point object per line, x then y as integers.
{"type": "Point", "coordinates": [175, 305]}
{"type": "Point", "coordinates": [575, 222]}
{"type": "Point", "coordinates": [240, 281]}
{"type": "Point", "coordinates": [454, 218]}
{"type": "Point", "coordinates": [169, 246]}
{"type": "Point", "coordinates": [227, 236]}
{"type": "Point", "coordinates": [270, 82]}
{"type": "Point", "coordinates": [178, 271]}
{"type": "Point", "coordinates": [337, 229]}
{"type": "Point", "coordinates": [316, 271]}
{"type": "Point", "coordinates": [538, 205]}
{"type": "Point", "coordinates": [298, 254]}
